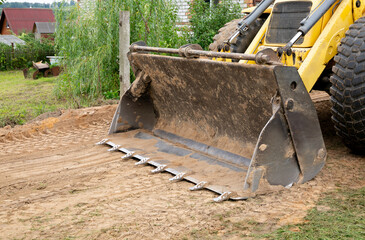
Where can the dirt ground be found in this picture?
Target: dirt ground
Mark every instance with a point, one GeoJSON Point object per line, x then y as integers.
{"type": "Point", "coordinates": [56, 184]}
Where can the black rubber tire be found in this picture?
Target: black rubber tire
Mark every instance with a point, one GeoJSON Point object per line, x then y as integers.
{"type": "Point", "coordinates": [242, 41]}
{"type": "Point", "coordinates": [348, 88]}
{"type": "Point", "coordinates": [223, 34]}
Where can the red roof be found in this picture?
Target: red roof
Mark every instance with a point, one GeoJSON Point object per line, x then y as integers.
{"type": "Point", "coordinates": [22, 19]}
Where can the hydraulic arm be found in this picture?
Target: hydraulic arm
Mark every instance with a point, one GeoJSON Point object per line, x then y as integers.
{"type": "Point", "coordinates": [245, 23]}
{"type": "Point", "coordinates": [307, 23]}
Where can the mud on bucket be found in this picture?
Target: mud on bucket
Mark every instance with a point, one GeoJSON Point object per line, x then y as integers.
{"type": "Point", "coordinates": [239, 128]}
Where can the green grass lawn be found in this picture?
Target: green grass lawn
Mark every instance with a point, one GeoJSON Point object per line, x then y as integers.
{"type": "Point", "coordinates": [24, 99]}
{"type": "Point", "coordinates": [339, 215]}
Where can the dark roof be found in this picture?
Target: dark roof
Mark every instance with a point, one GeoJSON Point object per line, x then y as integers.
{"type": "Point", "coordinates": [44, 27]}
{"type": "Point", "coordinates": [9, 39]}
{"type": "Point", "coordinates": [23, 19]}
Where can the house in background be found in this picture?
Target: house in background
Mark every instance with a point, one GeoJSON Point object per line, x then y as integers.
{"type": "Point", "coordinates": [18, 20]}
{"type": "Point", "coordinates": [44, 30]}
{"type": "Point", "coordinates": [183, 8]}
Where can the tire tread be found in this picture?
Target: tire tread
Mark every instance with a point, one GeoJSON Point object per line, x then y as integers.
{"type": "Point", "coordinates": [348, 88]}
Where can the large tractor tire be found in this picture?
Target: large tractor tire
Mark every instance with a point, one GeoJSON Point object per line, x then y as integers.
{"type": "Point", "coordinates": [242, 41]}
{"type": "Point", "coordinates": [348, 88]}
{"type": "Point", "coordinates": [223, 34]}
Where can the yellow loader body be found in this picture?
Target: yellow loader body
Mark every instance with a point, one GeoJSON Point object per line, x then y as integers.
{"type": "Point", "coordinates": [320, 43]}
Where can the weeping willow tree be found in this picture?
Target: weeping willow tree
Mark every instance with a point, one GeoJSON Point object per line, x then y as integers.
{"type": "Point", "coordinates": [88, 40]}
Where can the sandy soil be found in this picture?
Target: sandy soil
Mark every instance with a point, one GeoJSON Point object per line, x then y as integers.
{"type": "Point", "coordinates": [56, 184]}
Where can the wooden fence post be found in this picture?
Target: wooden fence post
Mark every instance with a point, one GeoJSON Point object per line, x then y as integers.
{"type": "Point", "coordinates": [124, 67]}
{"type": "Point", "coordinates": [124, 42]}
{"type": "Point", "coordinates": [12, 55]}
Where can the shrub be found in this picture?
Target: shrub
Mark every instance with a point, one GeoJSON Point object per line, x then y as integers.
{"type": "Point", "coordinates": [206, 21]}
{"type": "Point", "coordinates": [88, 39]}
{"type": "Point", "coordinates": [23, 55]}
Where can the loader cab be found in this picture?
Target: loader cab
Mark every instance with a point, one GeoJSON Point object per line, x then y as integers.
{"type": "Point", "coordinates": [282, 25]}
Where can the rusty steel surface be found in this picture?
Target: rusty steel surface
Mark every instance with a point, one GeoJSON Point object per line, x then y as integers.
{"type": "Point", "coordinates": [56, 71]}
{"type": "Point", "coordinates": [41, 68]}
{"type": "Point", "coordinates": [35, 74]}
{"type": "Point", "coordinates": [47, 73]}
{"type": "Point", "coordinates": [188, 51]}
{"type": "Point", "coordinates": [267, 56]}
{"type": "Point", "coordinates": [26, 73]}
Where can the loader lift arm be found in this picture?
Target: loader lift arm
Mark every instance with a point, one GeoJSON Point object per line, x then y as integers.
{"type": "Point", "coordinates": [246, 22]}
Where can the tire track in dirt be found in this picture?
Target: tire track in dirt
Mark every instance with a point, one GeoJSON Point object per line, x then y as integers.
{"type": "Point", "coordinates": [51, 140]}
{"type": "Point", "coordinates": [54, 164]}
{"type": "Point", "coordinates": [49, 157]}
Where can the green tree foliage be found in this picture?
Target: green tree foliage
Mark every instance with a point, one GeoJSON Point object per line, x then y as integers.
{"type": "Point", "coordinates": [25, 5]}
{"type": "Point", "coordinates": [206, 21]}
{"type": "Point", "coordinates": [59, 4]}
{"type": "Point", "coordinates": [88, 39]}
{"type": "Point", "coordinates": [22, 55]}
{"type": "Point", "coordinates": [5, 4]}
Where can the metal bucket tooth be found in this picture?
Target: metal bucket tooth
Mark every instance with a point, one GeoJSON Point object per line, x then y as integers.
{"type": "Point", "coordinates": [198, 186]}
{"type": "Point", "coordinates": [114, 148]}
{"type": "Point", "coordinates": [223, 197]}
{"type": "Point", "coordinates": [178, 177]}
{"type": "Point", "coordinates": [142, 161]}
{"type": "Point", "coordinates": [127, 155]}
{"type": "Point", "coordinates": [103, 141]}
{"type": "Point", "coordinates": [159, 169]}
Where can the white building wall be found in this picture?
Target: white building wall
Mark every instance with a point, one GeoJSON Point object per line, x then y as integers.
{"type": "Point", "coordinates": [86, 4]}
{"type": "Point", "coordinates": [183, 9]}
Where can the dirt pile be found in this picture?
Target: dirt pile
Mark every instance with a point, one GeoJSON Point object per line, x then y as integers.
{"type": "Point", "coordinates": [64, 119]}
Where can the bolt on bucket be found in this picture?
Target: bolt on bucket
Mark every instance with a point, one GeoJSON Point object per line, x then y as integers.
{"type": "Point", "coordinates": [236, 129]}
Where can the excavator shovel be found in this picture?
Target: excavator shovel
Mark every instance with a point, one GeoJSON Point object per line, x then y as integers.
{"type": "Point", "coordinates": [235, 129]}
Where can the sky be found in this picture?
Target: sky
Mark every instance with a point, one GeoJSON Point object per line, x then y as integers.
{"type": "Point", "coordinates": [34, 1]}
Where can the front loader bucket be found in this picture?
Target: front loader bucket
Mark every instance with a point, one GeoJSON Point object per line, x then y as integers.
{"type": "Point", "coordinates": [236, 129]}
